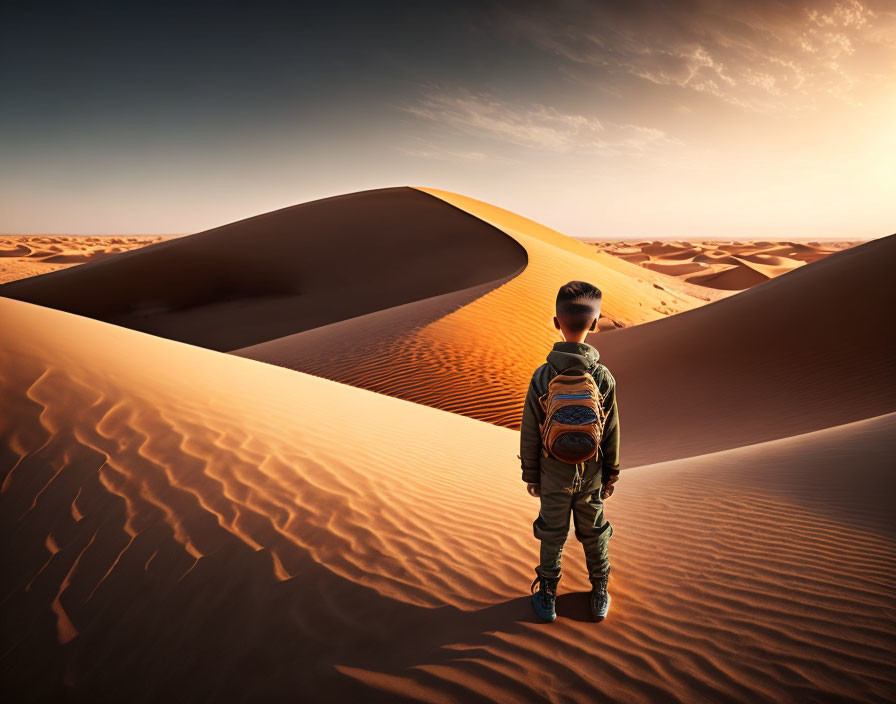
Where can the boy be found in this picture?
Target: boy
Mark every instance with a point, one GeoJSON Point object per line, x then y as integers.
{"type": "Point", "coordinates": [552, 480]}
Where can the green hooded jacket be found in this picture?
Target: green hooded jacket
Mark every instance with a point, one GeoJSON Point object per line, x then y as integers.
{"type": "Point", "coordinates": [579, 355]}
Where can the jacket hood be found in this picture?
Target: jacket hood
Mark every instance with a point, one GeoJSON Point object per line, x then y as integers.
{"type": "Point", "coordinates": [578, 355]}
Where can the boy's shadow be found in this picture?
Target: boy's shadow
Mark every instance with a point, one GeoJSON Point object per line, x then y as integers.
{"type": "Point", "coordinates": [575, 606]}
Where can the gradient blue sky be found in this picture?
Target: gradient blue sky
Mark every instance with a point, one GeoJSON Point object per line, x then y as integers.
{"type": "Point", "coordinates": [694, 119]}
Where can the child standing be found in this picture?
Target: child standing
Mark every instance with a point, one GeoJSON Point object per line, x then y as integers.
{"type": "Point", "coordinates": [562, 487]}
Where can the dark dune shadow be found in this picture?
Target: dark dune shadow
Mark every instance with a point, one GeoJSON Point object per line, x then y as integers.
{"type": "Point", "coordinates": [801, 352]}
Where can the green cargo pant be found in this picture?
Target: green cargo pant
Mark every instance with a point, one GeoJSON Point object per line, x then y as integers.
{"type": "Point", "coordinates": [552, 525]}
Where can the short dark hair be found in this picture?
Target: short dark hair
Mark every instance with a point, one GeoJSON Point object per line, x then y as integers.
{"type": "Point", "coordinates": [578, 303]}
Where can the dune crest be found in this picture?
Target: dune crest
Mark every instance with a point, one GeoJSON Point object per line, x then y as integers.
{"type": "Point", "coordinates": [803, 351]}
{"type": "Point", "coordinates": [440, 352]}
{"type": "Point", "coordinates": [286, 271]}
{"type": "Point", "coordinates": [761, 364]}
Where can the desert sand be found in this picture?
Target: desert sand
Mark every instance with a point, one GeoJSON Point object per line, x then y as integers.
{"type": "Point", "coordinates": [724, 265]}
{"type": "Point", "coordinates": [23, 256]}
{"type": "Point", "coordinates": [804, 351]}
{"type": "Point", "coordinates": [425, 353]}
{"type": "Point", "coordinates": [287, 271]}
{"type": "Point", "coordinates": [393, 285]}
{"type": "Point", "coordinates": [798, 369]}
{"type": "Point", "coordinates": [185, 524]}
{"type": "Point", "coordinates": [181, 524]}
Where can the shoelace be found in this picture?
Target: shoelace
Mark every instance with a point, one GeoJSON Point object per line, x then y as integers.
{"type": "Point", "coordinates": [544, 592]}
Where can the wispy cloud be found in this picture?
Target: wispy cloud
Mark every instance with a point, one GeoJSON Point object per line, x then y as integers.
{"type": "Point", "coordinates": [535, 126]}
{"type": "Point", "coordinates": [761, 55]}
{"type": "Point", "coordinates": [436, 151]}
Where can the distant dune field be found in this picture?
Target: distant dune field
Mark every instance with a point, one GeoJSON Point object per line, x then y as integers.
{"type": "Point", "coordinates": [22, 256]}
{"type": "Point", "coordinates": [323, 515]}
{"type": "Point", "coordinates": [723, 265]}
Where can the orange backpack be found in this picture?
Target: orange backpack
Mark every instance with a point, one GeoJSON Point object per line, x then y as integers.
{"type": "Point", "coordinates": [574, 417]}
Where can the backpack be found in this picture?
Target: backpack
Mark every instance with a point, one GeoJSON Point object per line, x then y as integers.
{"type": "Point", "coordinates": [574, 417]}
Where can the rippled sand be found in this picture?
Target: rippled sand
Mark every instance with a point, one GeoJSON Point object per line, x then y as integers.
{"type": "Point", "coordinates": [22, 256]}
{"type": "Point", "coordinates": [724, 265]}
{"type": "Point", "coordinates": [184, 524]}
{"type": "Point", "coordinates": [180, 524]}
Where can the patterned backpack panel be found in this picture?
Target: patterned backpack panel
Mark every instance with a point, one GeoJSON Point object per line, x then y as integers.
{"type": "Point", "coordinates": [574, 417]}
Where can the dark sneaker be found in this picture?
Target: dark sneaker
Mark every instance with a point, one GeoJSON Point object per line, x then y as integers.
{"type": "Point", "coordinates": [600, 598]}
{"type": "Point", "coordinates": [543, 599]}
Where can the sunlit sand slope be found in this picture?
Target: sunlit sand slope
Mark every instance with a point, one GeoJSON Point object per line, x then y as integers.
{"type": "Point", "coordinates": [809, 349]}
{"type": "Point", "coordinates": [805, 351]}
{"type": "Point", "coordinates": [475, 357]}
{"type": "Point", "coordinates": [183, 525]}
{"type": "Point", "coordinates": [283, 272]}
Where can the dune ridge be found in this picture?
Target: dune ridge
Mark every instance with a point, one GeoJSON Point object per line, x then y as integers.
{"type": "Point", "coordinates": [803, 351]}
{"type": "Point", "coordinates": [784, 358]}
{"type": "Point", "coordinates": [286, 271]}
{"type": "Point", "coordinates": [257, 302]}
{"type": "Point", "coordinates": [443, 361]}
{"type": "Point", "coordinates": [168, 534]}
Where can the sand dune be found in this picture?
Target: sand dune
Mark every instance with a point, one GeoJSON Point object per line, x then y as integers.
{"type": "Point", "coordinates": [414, 332]}
{"type": "Point", "coordinates": [286, 271]}
{"type": "Point", "coordinates": [788, 357]}
{"type": "Point", "coordinates": [23, 256]}
{"type": "Point", "coordinates": [734, 278]}
{"type": "Point", "coordinates": [180, 524]}
{"type": "Point", "coordinates": [746, 270]}
{"type": "Point", "coordinates": [276, 274]}
{"type": "Point", "coordinates": [674, 268]}
{"type": "Point", "coordinates": [451, 361]}
{"type": "Point", "coordinates": [726, 266]}
{"type": "Point", "coordinates": [803, 351]}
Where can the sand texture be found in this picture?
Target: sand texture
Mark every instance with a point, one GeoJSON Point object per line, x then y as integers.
{"type": "Point", "coordinates": [723, 265]}
{"type": "Point", "coordinates": [184, 525]}
{"type": "Point", "coordinates": [180, 524]}
{"type": "Point", "coordinates": [434, 351]}
{"type": "Point", "coordinates": [804, 351]}
{"type": "Point", "coordinates": [785, 357]}
{"type": "Point", "coordinates": [23, 256]}
{"type": "Point", "coordinates": [286, 271]}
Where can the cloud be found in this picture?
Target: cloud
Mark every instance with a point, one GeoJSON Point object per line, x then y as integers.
{"type": "Point", "coordinates": [434, 151]}
{"type": "Point", "coordinates": [763, 55]}
{"type": "Point", "coordinates": [534, 126]}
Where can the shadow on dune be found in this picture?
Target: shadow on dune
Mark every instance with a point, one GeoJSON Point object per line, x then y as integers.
{"type": "Point", "coordinates": [286, 271]}
{"type": "Point", "coordinates": [804, 351]}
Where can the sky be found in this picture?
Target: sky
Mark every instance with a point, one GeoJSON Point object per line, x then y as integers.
{"type": "Point", "coordinates": [627, 119]}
